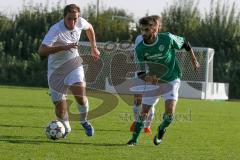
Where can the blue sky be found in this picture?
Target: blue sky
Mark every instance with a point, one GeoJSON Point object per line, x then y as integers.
{"type": "Point", "coordinates": [137, 7]}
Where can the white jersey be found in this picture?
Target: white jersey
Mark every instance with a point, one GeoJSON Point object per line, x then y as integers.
{"type": "Point", "coordinates": [138, 40]}
{"type": "Point", "coordinates": [59, 35]}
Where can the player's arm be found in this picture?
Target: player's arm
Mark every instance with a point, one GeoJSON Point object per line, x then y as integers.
{"type": "Point", "coordinates": [188, 48]}
{"type": "Point", "coordinates": [45, 50]}
{"type": "Point", "coordinates": [140, 61]}
{"type": "Point", "coordinates": [180, 43]}
{"type": "Point", "coordinates": [47, 47]}
{"type": "Point", "coordinates": [91, 36]}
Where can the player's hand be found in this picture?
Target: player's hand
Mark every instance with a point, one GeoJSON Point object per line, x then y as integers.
{"type": "Point", "coordinates": [141, 75]}
{"type": "Point", "coordinates": [69, 46]}
{"type": "Point", "coordinates": [195, 64]}
{"type": "Point", "coordinates": [151, 79]}
{"type": "Point", "coordinates": [95, 53]}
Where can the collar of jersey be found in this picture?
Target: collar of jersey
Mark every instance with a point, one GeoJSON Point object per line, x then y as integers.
{"type": "Point", "coordinates": [152, 43]}
{"type": "Point", "coordinates": [64, 27]}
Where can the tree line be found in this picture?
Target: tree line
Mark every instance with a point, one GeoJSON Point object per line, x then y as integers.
{"type": "Point", "coordinates": [21, 35]}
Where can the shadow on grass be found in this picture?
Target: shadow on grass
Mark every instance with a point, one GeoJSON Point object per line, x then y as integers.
{"type": "Point", "coordinates": [25, 126]}
{"type": "Point", "coordinates": [35, 140]}
{"type": "Point", "coordinates": [18, 126]}
{"type": "Point", "coordinates": [24, 106]}
{"type": "Point", "coordinates": [38, 141]}
{"type": "Point", "coordinates": [109, 145]}
{"type": "Point", "coordinates": [105, 130]}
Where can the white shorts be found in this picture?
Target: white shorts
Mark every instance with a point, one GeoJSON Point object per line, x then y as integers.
{"type": "Point", "coordinates": [172, 94]}
{"type": "Point", "coordinates": [60, 90]}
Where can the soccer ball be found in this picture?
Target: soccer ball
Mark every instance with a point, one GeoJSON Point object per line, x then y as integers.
{"type": "Point", "coordinates": [55, 130]}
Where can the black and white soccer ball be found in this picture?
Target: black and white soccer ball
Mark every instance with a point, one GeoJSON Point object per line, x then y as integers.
{"type": "Point", "coordinates": [55, 130]}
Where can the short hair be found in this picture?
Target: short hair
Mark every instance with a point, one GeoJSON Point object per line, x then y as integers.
{"type": "Point", "coordinates": [156, 18]}
{"type": "Point", "coordinates": [71, 8]}
{"type": "Point", "coordinates": [147, 21]}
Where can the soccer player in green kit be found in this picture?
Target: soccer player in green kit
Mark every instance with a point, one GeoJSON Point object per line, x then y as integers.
{"type": "Point", "coordinates": [159, 48]}
{"type": "Point", "coordinates": [138, 97]}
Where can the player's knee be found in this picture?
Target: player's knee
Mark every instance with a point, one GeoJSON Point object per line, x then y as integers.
{"type": "Point", "coordinates": [144, 116]}
{"type": "Point", "coordinates": [57, 97]}
{"type": "Point", "coordinates": [138, 100]}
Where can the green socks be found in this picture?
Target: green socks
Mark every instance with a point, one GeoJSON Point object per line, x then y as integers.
{"type": "Point", "coordinates": [137, 129]}
{"type": "Point", "coordinates": [167, 119]}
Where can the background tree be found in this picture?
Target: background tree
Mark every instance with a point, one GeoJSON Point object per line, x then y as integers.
{"type": "Point", "coordinates": [221, 30]}
{"type": "Point", "coordinates": [111, 24]}
{"type": "Point", "coordinates": [182, 18]}
{"type": "Point", "coordinates": [21, 35]}
{"type": "Point", "coordinates": [218, 29]}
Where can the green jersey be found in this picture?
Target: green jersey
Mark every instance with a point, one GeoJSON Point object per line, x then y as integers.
{"type": "Point", "coordinates": [160, 56]}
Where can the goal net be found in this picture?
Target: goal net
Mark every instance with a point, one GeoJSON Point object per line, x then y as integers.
{"type": "Point", "coordinates": [117, 63]}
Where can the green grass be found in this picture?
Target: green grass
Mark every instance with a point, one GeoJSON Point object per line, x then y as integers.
{"type": "Point", "coordinates": [202, 130]}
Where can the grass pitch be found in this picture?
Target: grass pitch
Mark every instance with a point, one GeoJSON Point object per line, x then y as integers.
{"type": "Point", "coordinates": [202, 130]}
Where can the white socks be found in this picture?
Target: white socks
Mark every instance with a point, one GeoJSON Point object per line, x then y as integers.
{"type": "Point", "coordinates": [83, 110]}
{"type": "Point", "coordinates": [66, 123]}
{"type": "Point", "coordinates": [149, 117]}
{"type": "Point", "coordinates": [137, 109]}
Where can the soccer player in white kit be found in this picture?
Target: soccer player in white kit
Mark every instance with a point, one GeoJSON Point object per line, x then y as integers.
{"type": "Point", "coordinates": [65, 69]}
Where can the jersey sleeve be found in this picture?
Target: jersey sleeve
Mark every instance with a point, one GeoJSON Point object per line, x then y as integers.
{"type": "Point", "coordinates": [51, 37]}
{"type": "Point", "coordinates": [177, 41]}
{"type": "Point", "coordinates": [84, 24]}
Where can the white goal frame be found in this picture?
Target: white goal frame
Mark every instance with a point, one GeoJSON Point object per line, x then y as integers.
{"type": "Point", "coordinates": [194, 84]}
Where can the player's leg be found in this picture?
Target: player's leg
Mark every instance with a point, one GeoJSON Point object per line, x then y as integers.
{"type": "Point", "coordinates": [147, 103]}
{"type": "Point", "coordinates": [61, 110]}
{"type": "Point", "coordinates": [139, 124]}
{"type": "Point", "coordinates": [79, 91]}
{"type": "Point", "coordinates": [137, 102]}
{"type": "Point", "coordinates": [171, 99]}
{"type": "Point", "coordinates": [147, 125]}
{"type": "Point", "coordinates": [76, 81]}
{"type": "Point", "coordinates": [168, 116]}
{"type": "Point", "coordinates": [136, 109]}
{"type": "Point", "coordinates": [150, 116]}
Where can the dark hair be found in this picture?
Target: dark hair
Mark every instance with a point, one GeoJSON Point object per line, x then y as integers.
{"type": "Point", "coordinates": [148, 20]}
{"type": "Point", "coordinates": [156, 18]}
{"type": "Point", "coordinates": [158, 21]}
{"type": "Point", "coordinates": [71, 8]}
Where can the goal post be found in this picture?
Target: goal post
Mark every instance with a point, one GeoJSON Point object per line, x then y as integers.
{"type": "Point", "coordinates": [117, 63]}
